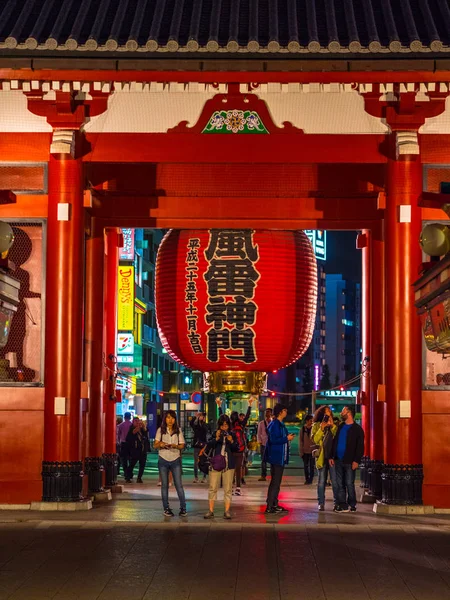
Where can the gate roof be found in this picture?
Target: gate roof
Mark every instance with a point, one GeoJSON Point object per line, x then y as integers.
{"type": "Point", "coordinates": [265, 29]}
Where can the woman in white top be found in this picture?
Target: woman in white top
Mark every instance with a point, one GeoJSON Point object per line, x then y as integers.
{"type": "Point", "coordinates": [170, 442]}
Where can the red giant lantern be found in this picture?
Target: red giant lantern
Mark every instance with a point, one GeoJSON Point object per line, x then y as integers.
{"type": "Point", "coordinates": [236, 303]}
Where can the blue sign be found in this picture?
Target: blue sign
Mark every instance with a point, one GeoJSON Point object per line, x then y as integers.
{"type": "Point", "coordinates": [184, 395]}
{"type": "Point", "coordinates": [196, 397]}
{"type": "Point", "coordinates": [318, 239]}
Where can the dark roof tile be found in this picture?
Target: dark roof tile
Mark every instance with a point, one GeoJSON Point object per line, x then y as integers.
{"type": "Point", "coordinates": [268, 26]}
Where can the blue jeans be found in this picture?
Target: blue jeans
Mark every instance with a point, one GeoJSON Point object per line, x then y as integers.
{"type": "Point", "coordinates": [165, 467]}
{"type": "Point", "coordinates": [345, 482]}
{"type": "Point", "coordinates": [322, 480]}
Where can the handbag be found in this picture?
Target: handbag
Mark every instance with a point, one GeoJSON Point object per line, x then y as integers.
{"type": "Point", "coordinates": [218, 462]}
{"type": "Point", "coordinates": [209, 462]}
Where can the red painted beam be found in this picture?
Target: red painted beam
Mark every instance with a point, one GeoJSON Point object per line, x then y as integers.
{"type": "Point", "coordinates": [187, 76]}
{"type": "Point", "coordinates": [164, 147]}
{"type": "Point", "coordinates": [206, 212]}
{"type": "Point", "coordinates": [186, 148]}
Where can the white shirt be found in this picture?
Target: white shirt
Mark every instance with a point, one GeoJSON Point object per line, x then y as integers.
{"type": "Point", "coordinates": [170, 454]}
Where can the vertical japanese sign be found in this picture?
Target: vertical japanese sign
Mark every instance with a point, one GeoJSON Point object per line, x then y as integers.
{"type": "Point", "coordinates": [191, 298]}
{"type": "Point", "coordinates": [125, 300]}
{"type": "Point", "coordinates": [127, 250]}
{"type": "Point", "coordinates": [231, 279]}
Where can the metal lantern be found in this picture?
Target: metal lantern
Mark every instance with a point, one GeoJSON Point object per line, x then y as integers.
{"type": "Point", "coordinates": [236, 303]}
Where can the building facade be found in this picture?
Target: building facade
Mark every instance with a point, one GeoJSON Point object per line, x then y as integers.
{"type": "Point", "coordinates": [343, 315]}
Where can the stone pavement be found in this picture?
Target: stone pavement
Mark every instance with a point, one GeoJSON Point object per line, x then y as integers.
{"type": "Point", "coordinates": [126, 550]}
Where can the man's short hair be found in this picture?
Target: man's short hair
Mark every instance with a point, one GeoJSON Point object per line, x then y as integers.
{"type": "Point", "coordinates": [308, 418]}
{"type": "Point", "coordinates": [278, 409]}
{"type": "Point", "coordinates": [127, 416]}
{"type": "Point", "coordinates": [351, 409]}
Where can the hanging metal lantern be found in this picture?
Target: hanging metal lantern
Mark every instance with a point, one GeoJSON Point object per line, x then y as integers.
{"type": "Point", "coordinates": [236, 303]}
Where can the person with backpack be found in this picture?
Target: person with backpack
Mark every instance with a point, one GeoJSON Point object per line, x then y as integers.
{"type": "Point", "coordinates": [238, 426]}
{"type": "Point", "coordinates": [169, 442]}
{"type": "Point", "coordinates": [200, 430]}
{"type": "Point", "coordinates": [139, 445]}
{"type": "Point", "coordinates": [222, 462]}
{"type": "Point", "coordinates": [322, 435]}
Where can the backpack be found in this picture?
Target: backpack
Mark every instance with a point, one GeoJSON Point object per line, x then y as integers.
{"type": "Point", "coordinates": [240, 438]}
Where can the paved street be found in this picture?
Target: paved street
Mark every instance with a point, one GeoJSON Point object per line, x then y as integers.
{"type": "Point", "coordinates": [126, 550]}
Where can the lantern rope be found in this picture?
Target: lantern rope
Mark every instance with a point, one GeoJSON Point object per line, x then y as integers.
{"type": "Point", "coordinates": [118, 373]}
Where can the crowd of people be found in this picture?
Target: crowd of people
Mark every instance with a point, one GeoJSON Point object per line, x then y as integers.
{"type": "Point", "coordinates": [330, 446]}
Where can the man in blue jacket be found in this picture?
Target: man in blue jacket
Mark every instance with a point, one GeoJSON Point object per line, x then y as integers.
{"type": "Point", "coordinates": [277, 454]}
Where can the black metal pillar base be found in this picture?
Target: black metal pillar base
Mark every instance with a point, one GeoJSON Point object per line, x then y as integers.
{"type": "Point", "coordinates": [111, 464]}
{"type": "Point", "coordinates": [62, 481]}
{"type": "Point", "coordinates": [402, 485]}
{"type": "Point", "coordinates": [363, 465]}
{"type": "Point", "coordinates": [93, 466]}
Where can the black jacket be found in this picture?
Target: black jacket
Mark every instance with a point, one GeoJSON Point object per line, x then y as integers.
{"type": "Point", "coordinates": [200, 429]}
{"type": "Point", "coordinates": [354, 450]}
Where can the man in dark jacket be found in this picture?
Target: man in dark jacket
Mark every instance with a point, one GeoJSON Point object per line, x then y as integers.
{"type": "Point", "coordinates": [348, 449]}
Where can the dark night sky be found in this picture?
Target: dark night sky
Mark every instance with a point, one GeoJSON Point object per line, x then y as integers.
{"type": "Point", "coordinates": [342, 255]}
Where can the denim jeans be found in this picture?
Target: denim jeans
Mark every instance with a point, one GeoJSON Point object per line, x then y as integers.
{"type": "Point", "coordinates": [322, 481]}
{"type": "Point", "coordinates": [308, 463]}
{"type": "Point", "coordinates": [345, 482]}
{"type": "Point", "coordinates": [165, 467]}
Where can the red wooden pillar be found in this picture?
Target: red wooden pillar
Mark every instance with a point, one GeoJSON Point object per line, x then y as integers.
{"type": "Point", "coordinates": [377, 322]}
{"type": "Point", "coordinates": [93, 344]}
{"type": "Point", "coordinates": [364, 243]}
{"type": "Point", "coordinates": [403, 360]}
{"type": "Point", "coordinates": [110, 336]}
{"type": "Point", "coordinates": [64, 309]}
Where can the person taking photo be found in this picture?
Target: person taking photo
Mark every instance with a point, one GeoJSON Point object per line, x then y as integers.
{"type": "Point", "coordinates": [222, 450]}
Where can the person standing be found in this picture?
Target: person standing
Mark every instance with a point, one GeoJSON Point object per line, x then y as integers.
{"type": "Point", "coordinates": [262, 439]}
{"type": "Point", "coordinates": [121, 439]}
{"type": "Point", "coordinates": [277, 454]}
{"type": "Point", "coordinates": [238, 426]}
{"type": "Point", "coordinates": [347, 452]}
{"type": "Point", "coordinates": [169, 442]}
{"type": "Point", "coordinates": [200, 429]}
{"type": "Point", "coordinates": [222, 447]}
{"type": "Point", "coordinates": [139, 445]}
{"type": "Point", "coordinates": [322, 434]}
{"type": "Point", "coordinates": [305, 446]}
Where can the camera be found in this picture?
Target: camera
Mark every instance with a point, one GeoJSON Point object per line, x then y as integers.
{"type": "Point", "coordinates": [326, 418]}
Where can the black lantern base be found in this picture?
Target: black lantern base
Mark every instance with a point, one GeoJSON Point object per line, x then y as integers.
{"type": "Point", "coordinates": [111, 466]}
{"type": "Point", "coordinates": [62, 481]}
{"type": "Point", "coordinates": [402, 485]}
{"type": "Point", "coordinates": [93, 466]}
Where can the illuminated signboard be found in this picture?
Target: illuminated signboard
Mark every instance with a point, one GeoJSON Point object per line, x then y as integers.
{"type": "Point", "coordinates": [125, 343]}
{"type": "Point", "coordinates": [125, 288]}
{"type": "Point", "coordinates": [127, 250]}
{"type": "Point", "coordinates": [318, 239]}
{"type": "Point", "coordinates": [125, 347]}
